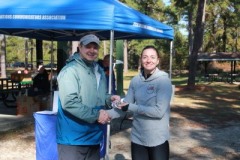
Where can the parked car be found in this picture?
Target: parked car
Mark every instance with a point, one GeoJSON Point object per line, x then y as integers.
{"type": "Point", "coordinates": [50, 65]}
{"type": "Point", "coordinates": [21, 64]}
{"type": "Point", "coordinates": [30, 65]}
{"type": "Point", "coordinates": [18, 64]}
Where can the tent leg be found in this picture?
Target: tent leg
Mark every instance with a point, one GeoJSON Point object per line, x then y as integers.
{"type": "Point", "coordinates": [108, 142]}
{"type": "Point", "coordinates": [51, 80]}
{"type": "Point", "coordinates": [109, 92]}
{"type": "Point", "coordinates": [171, 57]}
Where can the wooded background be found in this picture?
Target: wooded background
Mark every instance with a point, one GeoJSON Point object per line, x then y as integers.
{"type": "Point", "coordinates": [199, 26]}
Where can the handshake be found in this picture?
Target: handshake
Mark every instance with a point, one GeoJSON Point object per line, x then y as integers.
{"type": "Point", "coordinates": [118, 103]}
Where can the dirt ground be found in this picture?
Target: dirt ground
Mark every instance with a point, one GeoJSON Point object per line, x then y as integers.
{"type": "Point", "coordinates": [204, 125]}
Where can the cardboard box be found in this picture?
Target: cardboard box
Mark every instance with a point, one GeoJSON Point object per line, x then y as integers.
{"type": "Point", "coordinates": [44, 102]}
{"type": "Point", "coordinates": [27, 106]}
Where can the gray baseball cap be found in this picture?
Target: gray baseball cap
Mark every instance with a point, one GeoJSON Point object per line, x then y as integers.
{"type": "Point", "coordinates": [89, 39]}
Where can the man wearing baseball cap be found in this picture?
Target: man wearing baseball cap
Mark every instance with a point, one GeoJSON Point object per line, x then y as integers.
{"type": "Point", "coordinates": [82, 94]}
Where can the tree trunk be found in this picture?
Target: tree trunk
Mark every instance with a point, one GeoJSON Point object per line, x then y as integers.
{"type": "Point", "coordinates": [224, 36]}
{"type": "Point", "coordinates": [3, 55]}
{"type": "Point", "coordinates": [197, 42]}
{"type": "Point", "coordinates": [39, 52]}
{"type": "Point", "coordinates": [26, 53]}
{"type": "Point", "coordinates": [190, 32]}
{"type": "Point", "coordinates": [236, 41]}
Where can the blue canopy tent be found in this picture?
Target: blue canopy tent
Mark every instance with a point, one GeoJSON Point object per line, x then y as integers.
{"type": "Point", "coordinates": [68, 20]}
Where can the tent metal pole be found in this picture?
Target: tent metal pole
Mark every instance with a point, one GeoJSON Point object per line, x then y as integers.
{"type": "Point", "coordinates": [171, 56]}
{"type": "Point", "coordinates": [109, 91]}
{"type": "Point", "coordinates": [51, 76]}
{"type": "Point", "coordinates": [111, 62]}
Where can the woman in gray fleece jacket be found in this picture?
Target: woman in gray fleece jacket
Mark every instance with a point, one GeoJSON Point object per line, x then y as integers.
{"type": "Point", "coordinates": [148, 97]}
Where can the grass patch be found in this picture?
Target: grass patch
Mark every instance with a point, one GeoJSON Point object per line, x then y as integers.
{"type": "Point", "coordinates": [127, 79]}
{"type": "Point", "coordinates": [179, 81]}
{"type": "Point", "coordinates": [176, 80]}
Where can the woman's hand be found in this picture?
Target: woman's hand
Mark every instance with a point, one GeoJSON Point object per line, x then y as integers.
{"type": "Point", "coordinates": [123, 106]}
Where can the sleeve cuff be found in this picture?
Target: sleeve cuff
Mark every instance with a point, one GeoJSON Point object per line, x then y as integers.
{"type": "Point", "coordinates": [114, 113]}
{"type": "Point", "coordinates": [133, 107]}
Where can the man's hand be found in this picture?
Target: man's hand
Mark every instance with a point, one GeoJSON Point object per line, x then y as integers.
{"type": "Point", "coordinates": [103, 117]}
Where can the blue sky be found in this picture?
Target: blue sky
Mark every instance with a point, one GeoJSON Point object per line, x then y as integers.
{"type": "Point", "coordinates": [167, 2]}
{"type": "Point", "coordinates": [182, 30]}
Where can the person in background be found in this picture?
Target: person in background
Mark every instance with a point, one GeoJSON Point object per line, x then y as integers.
{"type": "Point", "coordinates": [41, 83]}
{"type": "Point", "coordinates": [82, 95]}
{"type": "Point", "coordinates": [105, 63]}
{"type": "Point", "coordinates": [149, 97]}
{"type": "Point", "coordinates": [25, 71]}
